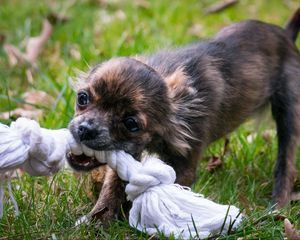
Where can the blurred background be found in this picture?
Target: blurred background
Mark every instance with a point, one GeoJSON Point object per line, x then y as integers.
{"type": "Point", "coordinates": [85, 32]}
{"type": "Point", "coordinates": [43, 45]}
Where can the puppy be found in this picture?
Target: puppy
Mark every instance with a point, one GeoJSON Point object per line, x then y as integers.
{"type": "Point", "coordinates": [175, 103]}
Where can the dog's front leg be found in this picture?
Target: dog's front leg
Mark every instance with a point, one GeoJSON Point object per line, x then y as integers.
{"type": "Point", "coordinates": [111, 198]}
{"type": "Point", "coordinates": [185, 167]}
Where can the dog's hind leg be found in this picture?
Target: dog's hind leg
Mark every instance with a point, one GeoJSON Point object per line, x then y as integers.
{"type": "Point", "coordinates": [286, 112]}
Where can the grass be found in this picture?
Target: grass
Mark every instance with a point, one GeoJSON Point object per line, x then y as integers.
{"type": "Point", "coordinates": [50, 206]}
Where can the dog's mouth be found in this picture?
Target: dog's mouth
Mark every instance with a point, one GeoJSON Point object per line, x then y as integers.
{"type": "Point", "coordinates": [82, 162]}
{"type": "Point", "coordinates": [86, 159]}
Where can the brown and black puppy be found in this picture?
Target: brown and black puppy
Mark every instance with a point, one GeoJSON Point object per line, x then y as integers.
{"type": "Point", "coordinates": [175, 103]}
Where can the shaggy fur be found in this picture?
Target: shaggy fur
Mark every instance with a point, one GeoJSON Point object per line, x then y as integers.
{"type": "Point", "coordinates": [180, 101]}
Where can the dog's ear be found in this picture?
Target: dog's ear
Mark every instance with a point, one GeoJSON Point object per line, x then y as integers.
{"type": "Point", "coordinates": [176, 82]}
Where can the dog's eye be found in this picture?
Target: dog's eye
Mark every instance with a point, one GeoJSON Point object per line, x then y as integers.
{"type": "Point", "coordinates": [131, 124]}
{"type": "Point", "coordinates": [83, 98]}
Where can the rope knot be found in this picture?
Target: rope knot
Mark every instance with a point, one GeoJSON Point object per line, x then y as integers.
{"type": "Point", "coordinates": [142, 176]}
{"type": "Point", "coordinates": [152, 173]}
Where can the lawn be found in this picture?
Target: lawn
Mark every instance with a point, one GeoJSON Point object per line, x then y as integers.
{"type": "Point", "coordinates": [96, 31]}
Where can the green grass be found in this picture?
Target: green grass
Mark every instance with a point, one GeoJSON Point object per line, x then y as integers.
{"type": "Point", "coordinates": [50, 206]}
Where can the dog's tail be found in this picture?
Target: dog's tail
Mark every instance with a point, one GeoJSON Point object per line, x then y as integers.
{"type": "Point", "coordinates": [293, 25]}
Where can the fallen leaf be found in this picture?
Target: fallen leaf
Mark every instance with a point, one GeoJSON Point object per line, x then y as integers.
{"type": "Point", "coordinates": [195, 30]}
{"type": "Point", "coordinates": [29, 75]}
{"type": "Point", "coordinates": [34, 47]}
{"type": "Point", "coordinates": [16, 174]}
{"type": "Point", "coordinates": [15, 56]}
{"type": "Point", "coordinates": [27, 108]}
{"type": "Point", "coordinates": [20, 112]}
{"type": "Point", "coordinates": [218, 7]}
{"type": "Point", "coordinates": [36, 97]}
{"type": "Point", "coordinates": [35, 44]}
{"type": "Point", "coordinates": [290, 231]}
{"type": "Point", "coordinates": [214, 163]}
{"type": "Point", "coordinates": [142, 4]}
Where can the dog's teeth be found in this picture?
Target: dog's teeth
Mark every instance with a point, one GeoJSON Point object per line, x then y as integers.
{"type": "Point", "coordinates": [87, 151]}
{"type": "Point", "coordinates": [100, 156]}
{"type": "Point", "coordinates": [74, 146]}
{"type": "Point", "coordinates": [76, 149]}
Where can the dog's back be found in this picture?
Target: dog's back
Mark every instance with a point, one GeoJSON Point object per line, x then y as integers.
{"type": "Point", "coordinates": [237, 71]}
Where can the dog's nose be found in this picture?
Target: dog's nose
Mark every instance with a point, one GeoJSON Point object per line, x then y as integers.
{"type": "Point", "coordinates": [86, 131]}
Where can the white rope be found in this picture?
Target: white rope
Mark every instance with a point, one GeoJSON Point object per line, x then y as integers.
{"type": "Point", "coordinates": [13, 151]}
{"type": "Point", "coordinates": [38, 151]}
{"type": "Point", "coordinates": [157, 203]}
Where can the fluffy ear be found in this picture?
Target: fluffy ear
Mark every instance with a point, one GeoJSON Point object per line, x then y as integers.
{"type": "Point", "coordinates": [179, 86]}
{"type": "Point", "coordinates": [176, 81]}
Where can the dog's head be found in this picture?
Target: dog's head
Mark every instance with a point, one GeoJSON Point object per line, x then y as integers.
{"type": "Point", "coordinates": [121, 104]}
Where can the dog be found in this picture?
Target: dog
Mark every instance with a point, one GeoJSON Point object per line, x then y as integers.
{"type": "Point", "coordinates": [176, 102]}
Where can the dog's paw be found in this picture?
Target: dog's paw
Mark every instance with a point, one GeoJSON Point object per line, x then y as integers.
{"type": "Point", "coordinates": [107, 211]}
{"type": "Point", "coordinates": [101, 217]}
{"type": "Point", "coordinates": [105, 216]}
